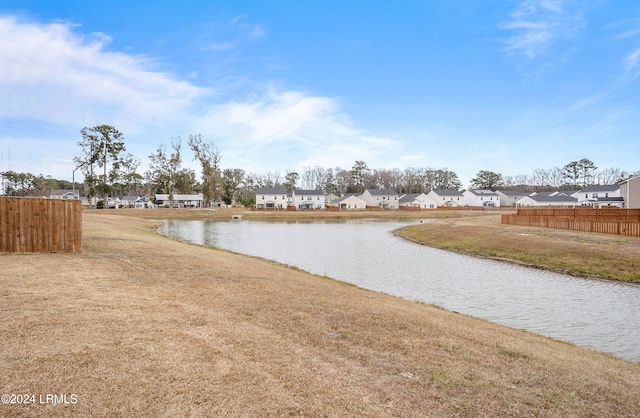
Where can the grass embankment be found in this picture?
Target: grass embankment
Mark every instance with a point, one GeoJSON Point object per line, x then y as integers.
{"type": "Point", "coordinates": [574, 252]}
{"type": "Point", "coordinates": [143, 325]}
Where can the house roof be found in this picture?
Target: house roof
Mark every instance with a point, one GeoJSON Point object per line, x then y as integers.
{"type": "Point", "coordinates": [629, 179]}
{"type": "Point", "coordinates": [601, 188]}
{"type": "Point", "coordinates": [543, 198]}
{"type": "Point", "coordinates": [347, 196]}
{"type": "Point", "coordinates": [610, 199]}
{"type": "Point", "coordinates": [511, 193]}
{"type": "Point", "coordinates": [271, 190]}
{"type": "Point", "coordinates": [410, 197]}
{"type": "Point", "coordinates": [180, 197]}
{"type": "Point", "coordinates": [382, 192]}
{"type": "Point", "coordinates": [447, 192]}
{"type": "Point", "coordinates": [479, 192]}
{"type": "Point", "coordinates": [309, 192]}
{"type": "Point", "coordinates": [62, 192]}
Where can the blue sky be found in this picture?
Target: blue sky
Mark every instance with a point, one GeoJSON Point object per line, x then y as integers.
{"type": "Point", "coordinates": [506, 86]}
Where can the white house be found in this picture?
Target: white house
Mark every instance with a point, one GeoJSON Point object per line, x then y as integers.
{"type": "Point", "coordinates": [349, 202]}
{"type": "Point", "coordinates": [308, 199]}
{"type": "Point", "coordinates": [64, 194]}
{"type": "Point", "coordinates": [329, 198]}
{"type": "Point", "coordinates": [383, 198]}
{"type": "Point", "coordinates": [448, 198]}
{"type": "Point", "coordinates": [510, 197]}
{"type": "Point", "coordinates": [419, 200]}
{"type": "Point", "coordinates": [128, 201]}
{"type": "Point", "coordinates": [630, 192]}
{"type": "Point", "coordinates": [181, 200]}
{"type": "Point", "coordinates": [539, 200]}
{"type": "Point", "coordinates": [271, 198]}
{"type": "Point", "coordinates": [481, 198]}
{"type": "Point", "coordinates": [601, 195]}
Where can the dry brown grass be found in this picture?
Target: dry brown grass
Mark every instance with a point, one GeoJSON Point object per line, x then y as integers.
{"type": "Point", "coordinates": [142, 325]}
{"type": "Point", "coordinates": [574, 252]}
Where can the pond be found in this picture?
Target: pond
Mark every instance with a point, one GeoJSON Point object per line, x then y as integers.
{"type": "Point", "coordinates": [598, 314]}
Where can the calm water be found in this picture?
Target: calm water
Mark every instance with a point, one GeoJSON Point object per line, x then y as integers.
{"type": "Point", "coordinates": [597, 314]}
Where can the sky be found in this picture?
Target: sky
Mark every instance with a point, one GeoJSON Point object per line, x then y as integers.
{"type": "Point", "coordinates": [467, 85]}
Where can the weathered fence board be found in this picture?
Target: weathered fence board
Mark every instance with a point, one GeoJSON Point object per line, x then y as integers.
{"type": "Point", "coordinates": [606, 220]}
{"type": "Point", "coordinates": [31, 225]}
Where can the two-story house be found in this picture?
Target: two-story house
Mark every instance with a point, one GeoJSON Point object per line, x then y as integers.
{"type": "Point", "coordinates": [271, 198]}
{"type": "Point", "coordinates": [308, 199]}
{"type": "Point", "coordinates": [630, 192]}
{"type": "Point", "coordinates": [510, 197]}
{"type": "Point", "coordinates": [447, 198]}
{"type": "Point", "coordinates": [383, 198]}
{"type": "Point", "coordinates": [481, 198]}
{"type": "Point", "coordinates": [601, 195]}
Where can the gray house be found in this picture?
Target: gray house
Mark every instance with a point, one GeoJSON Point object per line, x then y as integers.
{"type": "Point", "coordinates": [510, 197]}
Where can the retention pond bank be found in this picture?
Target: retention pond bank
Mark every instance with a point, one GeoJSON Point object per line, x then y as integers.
{"type": "Point", "coordinates": [597, 314]}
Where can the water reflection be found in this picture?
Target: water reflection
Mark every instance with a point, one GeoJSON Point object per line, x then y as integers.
{"type": "Point", "coordinates": [601, 315]}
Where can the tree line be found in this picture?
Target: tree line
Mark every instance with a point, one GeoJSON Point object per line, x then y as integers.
{"type": "Point", "coordinates": [109, 170]}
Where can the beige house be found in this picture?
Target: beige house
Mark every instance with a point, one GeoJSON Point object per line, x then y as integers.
{"type": "Point", "coordinates": [349, 202]}
{"type": "Point", "coordinates": [383, 198]}
{"type": "Point", "coordinates": [630, 192]}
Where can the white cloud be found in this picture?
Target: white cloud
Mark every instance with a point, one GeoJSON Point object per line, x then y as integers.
{"type": "Point", "coordinates": [310, 129]}
{"type": "Point", "coordinates": [53, 74]}
{"type": "Point", "coordinates": [631, 64]}
{"type": "Point", "coordinates": [538, 23]}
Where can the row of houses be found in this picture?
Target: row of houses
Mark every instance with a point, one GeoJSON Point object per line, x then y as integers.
{"type": "Point", "coordinates": [625, 194]}
{"type": "Point", "coordinates": [386, 199]}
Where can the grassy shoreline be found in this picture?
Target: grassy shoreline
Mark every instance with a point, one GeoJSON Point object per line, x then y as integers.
{"type": "Point", "coordinates": [141, 324]}
{"type": "Point", "coordinates": [477, 233]}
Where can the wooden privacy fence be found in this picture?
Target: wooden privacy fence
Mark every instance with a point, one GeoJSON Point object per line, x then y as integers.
{"type": "Point", "coordinates": [30, 225]}
{"type": "Point", "coordinates": [605, 220]}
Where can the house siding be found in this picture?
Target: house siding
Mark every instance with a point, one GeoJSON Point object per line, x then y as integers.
{"type": "Point", "coordinates": [386, 199]}
{"type": "Point", "coordinates": [308, 199]}
{"type": "Point", "coordinates": [630, 191]}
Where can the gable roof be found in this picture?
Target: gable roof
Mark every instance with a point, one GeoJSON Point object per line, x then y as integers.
{"type": "Point", "coordinates": [410, 197]}
{"type": "Point", "coordinates": [271, 190]}
{"type": "Point", "coordinates": [309, 192]}
{"type": "Point", "coordinates": [345, 197]}
{"type": "Point", "coordinates": [447, 192]}
{"type": "Point", "coordinates": [381, 192]}
{"type": "Point", "coordinates": [180, 197]}
{"type": "Point", "coordinates": [64, 192]}
{"type": "Point", "coordinates": [628, 179]}
{"type": "Point", "coordinates": [551, 199]}
{"type": "Point", "coordinates": [511, 193]}
{"type": "Point", "coordinates": [601, 188]}
{"type": "Point", "coordinates": [481, 192]}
